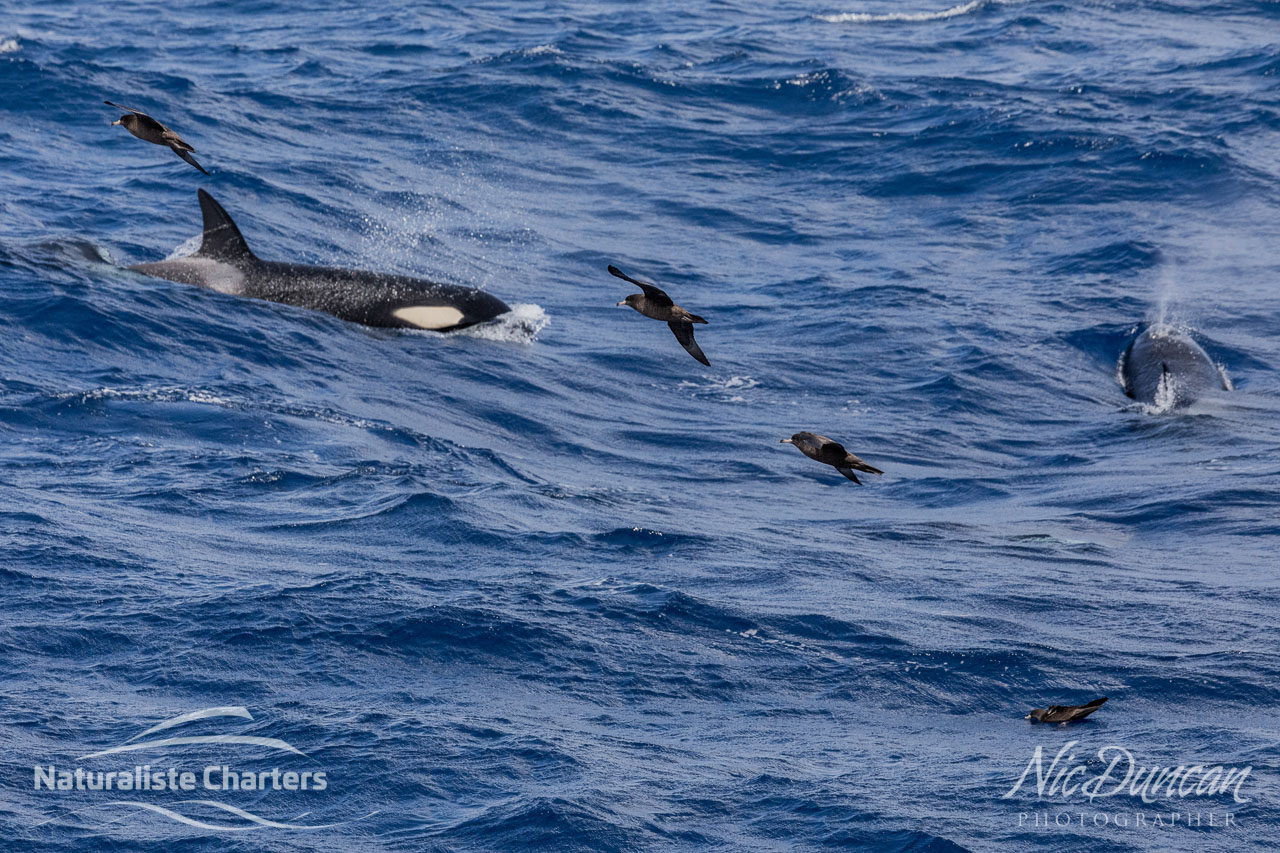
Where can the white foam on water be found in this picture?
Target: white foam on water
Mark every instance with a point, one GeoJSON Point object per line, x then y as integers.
{"type": "Point", "coordinates": [912, 17]}
{"type": "Point", "coordinates": [159, 394]}
{"type": "Point", "coordinates": [735, 389]}
{"type": "Point", "coordinates": [10, 46]}
{"type": "Point", "coordinates": [520, 325]}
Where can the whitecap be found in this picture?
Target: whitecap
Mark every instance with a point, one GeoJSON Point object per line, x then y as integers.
{"type": "Point", "coordinates": [911, 17]}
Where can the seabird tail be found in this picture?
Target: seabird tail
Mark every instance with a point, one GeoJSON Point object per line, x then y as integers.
{"type": "Point", "coordinates": [859, 465]}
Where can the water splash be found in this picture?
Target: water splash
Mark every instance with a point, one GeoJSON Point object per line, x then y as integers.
{"type": "Point", "coordinates": [186, 248]}
{"type": "Point", "coordinates": [1226, 378]}
{"type": "Point", "coordinates": [735, 389]}
{"type": "Point", "coordinates": [1166, 395]}
{"type": "Point", "coordinates": [520, 325]}
{"type": "Point", "coordinates": [1166, 295]}
{"type": "Point", "coordinates": [400, 242]}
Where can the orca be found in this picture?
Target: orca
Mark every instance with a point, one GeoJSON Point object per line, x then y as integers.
{"type": "Point", "coordinates": [1164, 366]}
{"type": "Point", "coordinates": [224, 263]}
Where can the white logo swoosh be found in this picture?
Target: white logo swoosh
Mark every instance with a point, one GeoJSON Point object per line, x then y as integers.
{"type": "Point", "coordinates": [254, 821]}
{"type": "Point", "coordinates": [224, 711]}
{"type": "Point", "coordinates": [270, 742]}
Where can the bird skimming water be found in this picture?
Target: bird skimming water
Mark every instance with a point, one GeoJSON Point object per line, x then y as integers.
{"type": "Point", "coordinates": [822, 449]}
{"type": "Point", "coordinates": [1065, 713]}
{"type": "Point", "coordinates": [656, 304]}
{"type": "Point", "coordinates": [145, 127]}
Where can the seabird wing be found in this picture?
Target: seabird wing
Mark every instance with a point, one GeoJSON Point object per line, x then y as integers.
{"type": "Point", "coordinates": [185, 156]}
{"type": "Point", "coordinates": [848, 472]}
{"type": "Point", "coordinates": [833, 453]}
{"type": "Point", "coordinates": [654, 294]}
{"type": "Point", "coordinates": [684, 334]}
{"type": "Point", "coordinates": [127, 109]}
{"type": "Point", "coordinates": [1081, 711]}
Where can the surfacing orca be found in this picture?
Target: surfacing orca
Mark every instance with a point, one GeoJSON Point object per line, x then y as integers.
{"type": "Point", "coordinates": [225, 264]}
{"type": "Point", "coordinates": [1164, 366]}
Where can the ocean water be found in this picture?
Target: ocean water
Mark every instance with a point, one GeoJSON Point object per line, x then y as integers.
{"type": "Point", "coordinates": [551, 583]}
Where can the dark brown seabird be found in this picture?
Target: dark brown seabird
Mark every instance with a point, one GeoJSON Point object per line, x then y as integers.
{"type": "Point", "coordinates": [822, 449]}
{"type": "Point", "coordinates": [1064, 713]}
{"type": "Point", "coordinates": [145, 127]}
{"type": "Point", "coordinates": [656, 304]}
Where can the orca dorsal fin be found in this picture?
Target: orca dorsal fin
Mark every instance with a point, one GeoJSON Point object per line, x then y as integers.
{"type": "Point", "coordinates": [222, 239]}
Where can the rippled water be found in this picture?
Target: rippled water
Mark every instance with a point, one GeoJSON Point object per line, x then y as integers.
{"type": "Point", "coordinates": [552, 583]}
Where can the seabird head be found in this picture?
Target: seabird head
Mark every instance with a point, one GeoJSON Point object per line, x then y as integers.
{"type": "Point", "coordinates": [787, 441]}
{"type": "Point", "coordinates": [118, 121]}
{"type": "Point", "coordinates": [633, 300]}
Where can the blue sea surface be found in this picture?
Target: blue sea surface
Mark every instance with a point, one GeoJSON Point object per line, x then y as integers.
{"type": "Point", "coordinates": [550, 583]}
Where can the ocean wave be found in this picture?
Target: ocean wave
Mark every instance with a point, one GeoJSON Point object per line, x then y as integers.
{"type": "Point", "coordinates": [913, 17]}
{"type": "Point", "coordinates": [550, 582]}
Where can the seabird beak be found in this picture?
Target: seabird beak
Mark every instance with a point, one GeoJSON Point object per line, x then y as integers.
{"type": "Point", "coordinates": [114, 123]}
{"type": "Point", "coordinates": [623, 302]}
{"type": "Point", "coordinates": [786, 441]}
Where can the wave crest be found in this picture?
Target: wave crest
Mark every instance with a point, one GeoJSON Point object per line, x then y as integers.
{"type": "Point", "coordinates": [912, 17]}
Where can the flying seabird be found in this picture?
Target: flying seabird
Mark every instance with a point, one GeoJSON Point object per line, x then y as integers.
{"type": "Point", "coordinates": [822, 449]}
{"type": "Point", "coordinates": [145, 127]}
{"type": "Point", "coordinates": [656, 304]}
{"type": "Point", "coordinates": [1064, 713]}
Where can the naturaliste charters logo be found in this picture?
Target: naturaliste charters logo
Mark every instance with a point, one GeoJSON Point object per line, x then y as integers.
{"type": "Point", "coordinates": [214, 779]}
{"type": "Point", "coordinates": [1122, 774]}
